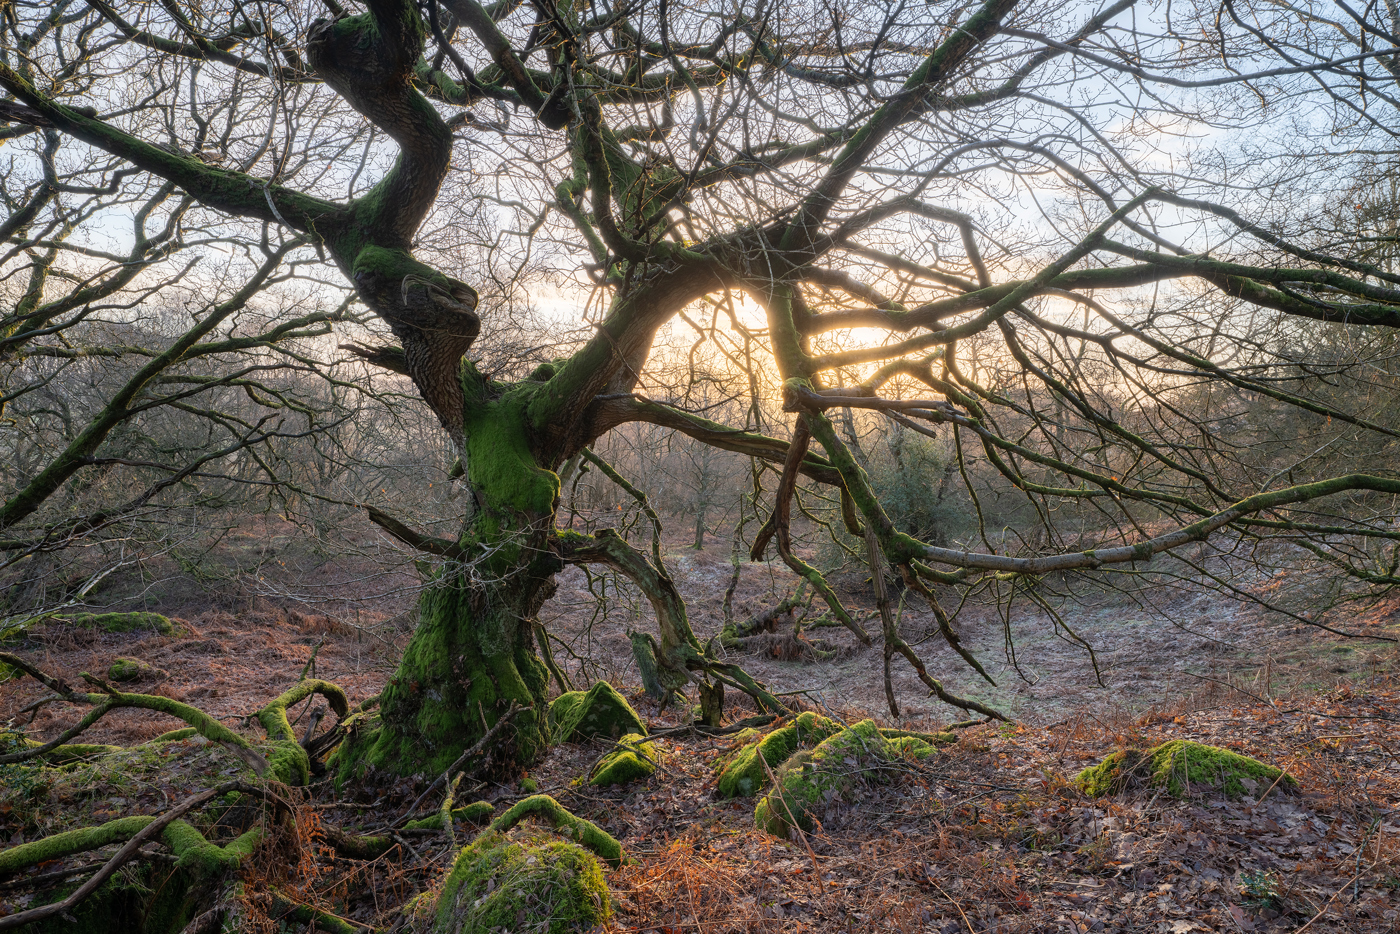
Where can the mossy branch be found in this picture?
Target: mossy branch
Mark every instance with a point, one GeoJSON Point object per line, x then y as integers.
{"type": "Point", "coordinates": [189, 845]}
{"type": "Point", "coordinates": [238, 194]}
{"type": "Point", "coordinates": [583, 831]}
{"type": "Point", "coordinates": [112, 699]}
{"type": "Point", "coordinates": [314, 918]}
{"type": "Point", "coordinates": [273, 717]}
{"type": "Point", "coordinates": [70, 842]}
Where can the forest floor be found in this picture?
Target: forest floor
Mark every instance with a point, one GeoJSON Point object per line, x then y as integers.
{"type": "Point", "coordinates": [988, 835]}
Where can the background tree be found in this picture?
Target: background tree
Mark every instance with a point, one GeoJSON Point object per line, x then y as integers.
{"type": "Point", "coordinates": [944, 215]}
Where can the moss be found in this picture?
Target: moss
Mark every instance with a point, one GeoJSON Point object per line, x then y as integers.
{"type": "Point", "coordinates": [585, 832]}
{"type": "Point", "coordinates": [61, 755]}
{"type": "Point", "coordinates": [499, 885]}
{"type": "Point", "coordinates": [314, 919]}
{"type": "Point", "coordinates": [743, 775]}
{"type": "Point", "coordinates": [287, 762]}
{"type": "Point", "coordinates": [273, 717]}
{"type": "Point", "coordinates": [123, 622]}
{"type": "Point", "coordinates": [910, 747]}
{"type": "Point", "coordinates": [741, 739]}
{"type": "Point", "coordinates": [66, 844]}
{"type": "Point", "coordinates": [561, 710]}
{"type": "Point", "coordinates": [809, 782]}
{"type": "Point", "coordinates": [599, 712]}
{"type": "Point", "coordinates": [469, 659]}
{"type": "Point", "coordinates": [202, 858]}
{"type": "Point", "coordinates": [933, 739]}
{"type": "Point", "coordinates": [500, 462]}
{"type": "Point", "coordinates": [1178, 767]}
{"type": "Point", "coordinates": [635, 760]}
{"type": "Point", "coordinates": [132, 669]}
{"type": "Point", "coordinates": [394, 265]}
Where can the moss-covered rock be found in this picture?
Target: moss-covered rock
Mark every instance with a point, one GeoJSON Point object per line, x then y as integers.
{"type": "Point", "coordinates": [124, 622]}
{"type": "Point", "coordinates": [541, 887]}
{"type": "Point", "coordinates": [811, 781]}
{"type": "Point", "coordinates": [1178, 767]}
{"type": "Point", "coordinates": [133, 669]}
{"type": "Point", "coordinates": [601, 712]}
{"type": "Point", "coordinates": [742, 774]}
{"type": "Point", "coordinates": [911, 747]}
{"type": "Point", "coordinates": [633, 760]}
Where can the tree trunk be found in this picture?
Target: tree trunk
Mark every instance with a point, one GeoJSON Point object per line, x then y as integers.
{"type": "Point", "coordinates": [473, 653]}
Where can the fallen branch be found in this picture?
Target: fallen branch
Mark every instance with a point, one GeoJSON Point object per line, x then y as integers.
{"type": "Point", "coordinates": [112, 699]}
{"type": "Point", "coordinates": [154, 827]}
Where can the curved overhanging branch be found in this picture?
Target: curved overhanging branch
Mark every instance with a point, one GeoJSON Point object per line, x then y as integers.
{"type": "Point", "coordinates": [609, 411]}
{"type": "Point", "coordinates": [370, 60]}
{"type": "Point", "coordinates": [906, 552]}
{"type": "Point", "coordinates": [1147, 548]}
{"type": "Point", "coordinates": [679, 651]}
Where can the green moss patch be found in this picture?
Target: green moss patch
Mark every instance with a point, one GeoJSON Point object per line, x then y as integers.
{"type": "Point", "coordinates": [132, 669]}
{"type": "Point", "coordinates": [911, 747]}
{"type": "Point", "coordinates": [600, 712]}
{"type": "Point", "coordinates": [633, 760]}
{"type": "Point", "coordinates": [812, 781]}
{"type": "Point", "coordinates": [742, 775]}
{"type": "Point", "coordinates": [544, 887]}
{"type": "Point", "coordinates": [1179, 767]}
{"type": "Point", "coordinates": [123, 622]}
{"type": "Point", "coordinates": [478, 812]}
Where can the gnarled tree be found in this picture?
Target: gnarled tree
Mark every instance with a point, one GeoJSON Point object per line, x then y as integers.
{"type": "Point", "coordinates": [914, 196]}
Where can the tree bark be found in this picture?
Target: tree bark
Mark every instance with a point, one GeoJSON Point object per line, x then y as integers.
{"type": "Point", "coordinates": [473, 653]}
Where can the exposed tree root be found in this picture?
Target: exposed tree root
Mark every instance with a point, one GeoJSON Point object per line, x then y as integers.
{"type": "Point", "coordinates": [314, 918]}
{"type": "Point", "coordinates": [678, 654]}
{"type": "Point", "coordinates": [273, 717]}
{"type": "Point", "coordinates": [584, 832]}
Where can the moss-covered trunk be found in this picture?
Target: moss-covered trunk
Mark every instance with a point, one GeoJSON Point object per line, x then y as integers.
{"type": "Point", "coordinates": [473, 654]}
